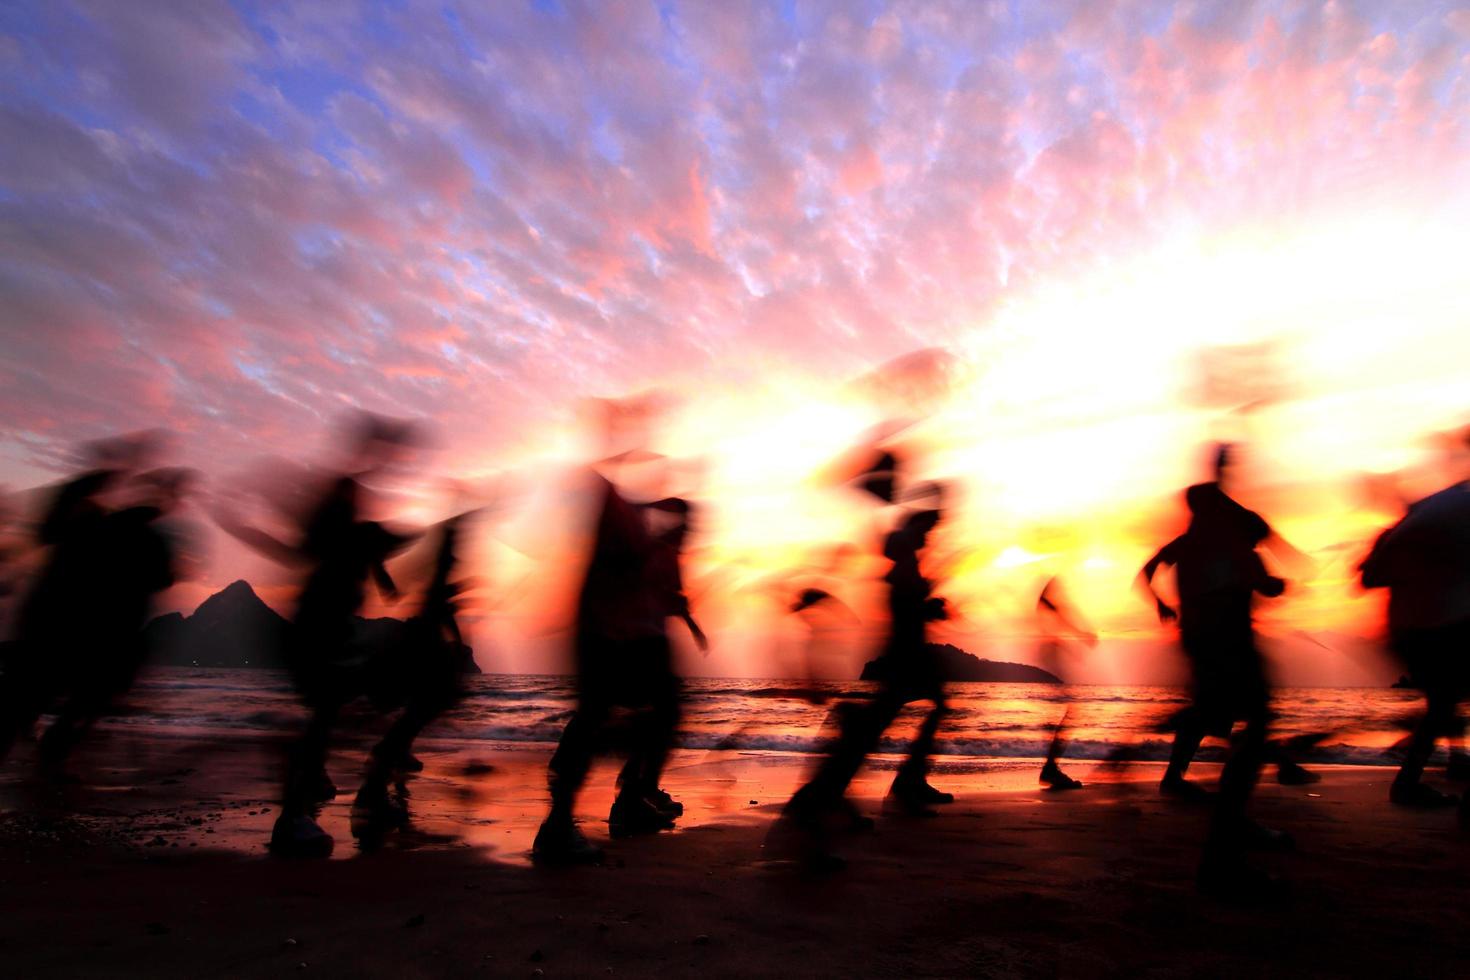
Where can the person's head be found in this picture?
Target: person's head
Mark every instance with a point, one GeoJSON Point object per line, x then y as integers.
{"type": "Point", "coordinates": [374, 441]}
{"type": "Point", "coordinates": [1223, 458]}
{"type": "Point", "coordinates": [126, 453]}
{"type": "Point", "coordinates": [166, 488]}
{"type": "Point", "coordinates": [623, 427]}
{"type": "Point", "coordinates": [1202, 499]}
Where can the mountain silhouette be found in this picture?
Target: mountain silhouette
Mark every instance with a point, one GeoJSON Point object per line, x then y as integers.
{"type": "Point", "coordinates": [235, 628]}
{"type": "Point", "coordinates": [959, 665]}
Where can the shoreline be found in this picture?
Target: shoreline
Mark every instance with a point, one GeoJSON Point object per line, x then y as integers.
{"type": "Point", "coordinates": [162, 853]}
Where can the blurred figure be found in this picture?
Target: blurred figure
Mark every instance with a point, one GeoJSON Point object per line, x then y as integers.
{"type": "Point", "coordinates": [909, 670]}
{"type": "Point", "coordinates": [621, 650]}
{"type": "Point", "coordinates": [639, 781]}
{"type": "Point", "coordinates": [621, 656]}
{"type": "Point", "coordinates": [1219, 571]}
{"type": "Point", "coordinates": [48, 634]}
{"type": "Point", "coordinates": [1060, 624]}
{"type": "Point", "coordinates": [824, 617]}
{"type": "Point", "coordinates": [137, 561]}
{"type": "Point", "coordinates": [340, 553]}
{"type": "Point", "coordinates": [1424, 562]}
{"type": "Point", "coordinates": [422, 673]}
{"type": "Point", "coordinates": [66, 619]}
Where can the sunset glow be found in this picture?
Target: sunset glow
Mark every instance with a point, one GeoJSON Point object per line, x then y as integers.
{"type": "Point", "coordinates": [1127, 233]}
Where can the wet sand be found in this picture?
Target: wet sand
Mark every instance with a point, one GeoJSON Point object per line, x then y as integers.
{"type": "Point", "coordinates": [154, 864]}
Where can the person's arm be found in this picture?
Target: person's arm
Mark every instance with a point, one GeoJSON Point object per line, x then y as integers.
{"type": "Point", "coordinates": [1167, 613]}
{"type": "Point", "coordinates": [1263, 581]}
{"type": "Point", "coordinates": [386, 586]}
{"type": "Point", "coordinates": [700, 640]}
{"type": "Point", "coordinates": [1293, 560]}
{"type": "Point", "coordinates": [1069, 620]}
{"type": "Point", "coordinates": [256, 539]}
{"type": "Point", "coordinates": [679, 607]}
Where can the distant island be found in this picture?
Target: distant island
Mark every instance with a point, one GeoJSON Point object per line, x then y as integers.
{"type": "Point", "coordinates": [235, 628]}
{"type": "Point", "coordinates": [960, 665]}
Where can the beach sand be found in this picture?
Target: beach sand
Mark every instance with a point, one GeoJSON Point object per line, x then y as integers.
{"type": "Point", "coordinates": [154, 864]}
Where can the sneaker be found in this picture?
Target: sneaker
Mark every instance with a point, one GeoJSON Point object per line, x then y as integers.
{"type": "Point", "coordinates": [1419, 796]}
{"type": "Point", "coordinates": [562, 844]}
{"type": "Point", "coordinates": [1291, 774]}
{"type": "Point", "coordinates": [665, 803]}
{"type": "Point", "coordinates": [911, 799]}
{"type": "Point", "coordinates": [919, 789]}
{"type": "Point", "coordinates": [1052, 775]}
{"type": "Point", "coordinates": [299, 837]}
{"type": "Point", "coordinates": [935, 795]}
{"type": "Point", "coordinates": [375, 812]}
{"type": "Point", "coordinates": [632, 814]}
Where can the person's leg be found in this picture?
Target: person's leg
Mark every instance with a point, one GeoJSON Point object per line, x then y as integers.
{"type": "Point", "coordinates": [1237, 781]}
{"type": "Point", "coordinates": [559, 841]}
{"type": "Point", "coordinates": [1224, 870]}
{"type": "Point", "coordinates": [1051, 772]}
{"type": "Point", "coordinates": [637, 808]}
{"type": "Point", "coordinates": [387, 757]}
{"type": "Point", "coordinates": [76, 715]}
{"type": "Point", "coordinates": [864, 728]}
{"type": "Point", "coordinates": [306, 763]}
{"type": "Point", "coordinates": [573, 756]}
{"type": "Point", "coordinates": [296, 832]}
{"type": "Point", "coordinates": [1192, 723]}
{"type": "Point", "coordinates": [1058, 740]}
{"type": "Point", "coordinates": [1439, 713]}
{"type": "Point", "coordinates": [911, 781]}
{"type": "Point", "coordinates": [641, 807]}
{"type": "Point", "coordinates": [1431, 657]}
{"type": "Point", "coordinates": [859, 727]}
{"type": "Point", "coordinates": [1189, 723]}
{"type": "Point", "coordinates": [630, 777]}
{"type": "Point", "coordinates": [916, 766]}
{"type": "Point", "coordinates": [646, 763]}
{"type": "Point", "coordinates": [667, 711]}
{"type": "Point", "coordinates": [1189, 732]}
{"type": "Point", "coordinates": [395, 750]}
{"type": "Point", "coordinates": [26, 690]}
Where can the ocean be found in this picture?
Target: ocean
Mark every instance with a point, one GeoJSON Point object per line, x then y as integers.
{"type": "Point", "coordinates": [988, 721]}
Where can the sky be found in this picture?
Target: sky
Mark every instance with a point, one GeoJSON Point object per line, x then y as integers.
{"type": "Point", "coordinates": [1111, 233]}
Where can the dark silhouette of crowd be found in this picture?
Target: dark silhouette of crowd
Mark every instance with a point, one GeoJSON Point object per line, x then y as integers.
{"type": "Point", "coordinates": [104, 547]}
